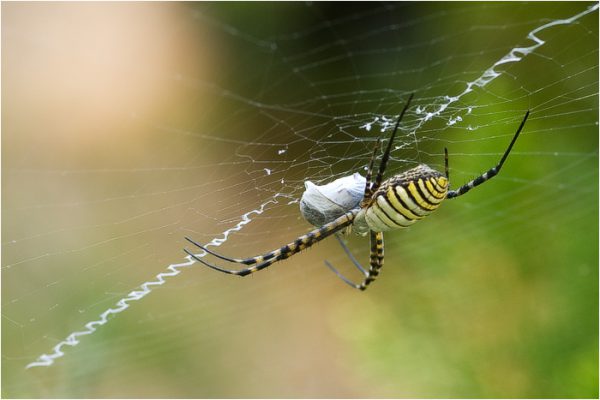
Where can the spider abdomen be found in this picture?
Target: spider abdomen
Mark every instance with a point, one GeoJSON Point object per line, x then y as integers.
{"type": "Point", "coordinates": [404, 199]}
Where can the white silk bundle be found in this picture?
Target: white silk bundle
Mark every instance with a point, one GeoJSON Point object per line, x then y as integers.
{"type": "Point", "coordinates": [320, 205]}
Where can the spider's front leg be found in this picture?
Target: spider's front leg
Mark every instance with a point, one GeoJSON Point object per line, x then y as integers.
{"type": "Point", "coordinates": [491, 172]}
{"type": "Point", "coordinates": [263, 261]}
{"type": "Point", "coordinates": [371, 187]}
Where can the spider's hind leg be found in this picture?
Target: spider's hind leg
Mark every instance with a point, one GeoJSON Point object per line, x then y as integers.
{"type": "Point", "coordinates": [354, 262]}
{"type": "Point", "coordinates": [376, 257]}
{"type": "Point", "coordinates": [350, 255]}
{"type": "Point", "coordinates": [376, 262]}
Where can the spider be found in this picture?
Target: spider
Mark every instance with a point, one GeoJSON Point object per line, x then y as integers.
{"type": "Point", "coordinates": [397, 202]}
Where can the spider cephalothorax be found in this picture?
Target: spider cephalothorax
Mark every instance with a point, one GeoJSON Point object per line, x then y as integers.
{"type": "Point", "coordinates": [395, 203]}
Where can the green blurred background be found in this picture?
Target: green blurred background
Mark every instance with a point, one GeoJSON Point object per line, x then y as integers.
{"type": "Point", "coordinates": [127, 126]}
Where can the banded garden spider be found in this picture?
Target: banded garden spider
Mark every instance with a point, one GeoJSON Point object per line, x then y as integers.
{"type": "Point", "coordinates": [395, 203]}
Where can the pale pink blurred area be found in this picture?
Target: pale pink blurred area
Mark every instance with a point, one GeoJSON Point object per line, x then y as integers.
{"type": "Point", "coordinates": [76, 75]}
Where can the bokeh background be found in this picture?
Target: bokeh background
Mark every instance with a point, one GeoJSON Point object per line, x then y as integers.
{"type": "Point", "coordinates": [127, 126]}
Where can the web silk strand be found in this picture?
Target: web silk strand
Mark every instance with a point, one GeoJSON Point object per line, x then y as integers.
{"type": "Point", "coordinates": [46, 360]}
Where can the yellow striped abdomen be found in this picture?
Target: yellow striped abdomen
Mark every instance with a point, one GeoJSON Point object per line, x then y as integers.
{"type": "Point", "coordinates": [404, 199]}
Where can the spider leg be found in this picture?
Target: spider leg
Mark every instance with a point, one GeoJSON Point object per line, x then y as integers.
{"type": "Point", "coordinates": [215, 267]}
{"type": "Point", "coordinates": [246, 261]}
{"type": "Point", "coordinates": [376, 262]}
{"type": "Point", "coordinates": [368, 189]}
{"type": "Point", "coordinates": [242, 272]}
{"type": "Point", "coordinates": [263, 261]}
{"type": "Point", "coordinates": [447, 170]}
{"type": "Point", "coordinates": [376, 259]}
{"type": "Point", "coordinates": [491, 172]}
{"type": "Point", "coordinates": [386, 154]}
{"type": "Point", "coordinates": [354, 261]}
{"type": "Point", "coordinates": [342, 277]}
{"type": "Point", "coordinates": [350, 255]}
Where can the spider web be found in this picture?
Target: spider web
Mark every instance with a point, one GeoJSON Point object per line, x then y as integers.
{"type": "Point", "coordinates": [204, 120]}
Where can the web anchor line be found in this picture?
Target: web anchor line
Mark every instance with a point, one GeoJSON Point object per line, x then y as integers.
{"type": "Point", "coordinates": [516, 54]}
{"type": "Point", "coordinates": [46, 360]}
